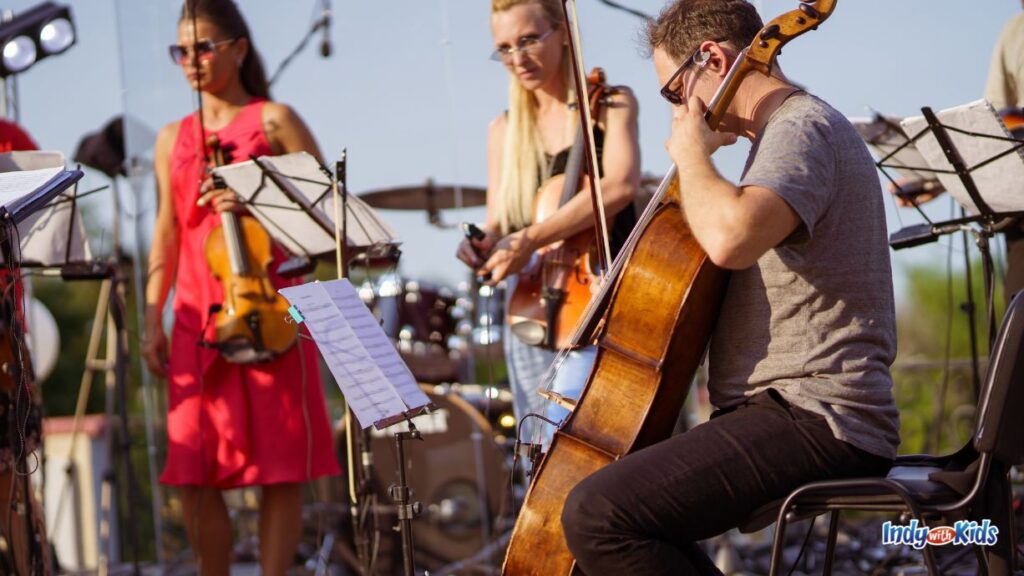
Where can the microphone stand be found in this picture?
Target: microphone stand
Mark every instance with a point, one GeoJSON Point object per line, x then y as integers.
{"type": "Point", "coordinates": [321, 24]}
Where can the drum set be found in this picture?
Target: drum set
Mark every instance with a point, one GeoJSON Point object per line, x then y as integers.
{"type": "Point", "coordinates": [451, 339]}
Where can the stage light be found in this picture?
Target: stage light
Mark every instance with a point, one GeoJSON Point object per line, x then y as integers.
{"type": "Point", "coordinates": [19, 54]}
{"type": "Point", "coordinates": [44, 30]}
{"type": "Point", "coordinates": [57, 36]}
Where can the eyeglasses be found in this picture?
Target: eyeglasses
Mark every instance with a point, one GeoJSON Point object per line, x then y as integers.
{"type": "Point", "coordinates": [203, 49]}
{"type": "Point", "coordinates": [525, 45]}
{"type": "Point", "coordinates": [671, 94]}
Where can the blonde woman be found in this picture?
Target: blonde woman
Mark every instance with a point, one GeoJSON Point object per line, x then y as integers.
{"type": "Point", "coordinates": [529, 143]}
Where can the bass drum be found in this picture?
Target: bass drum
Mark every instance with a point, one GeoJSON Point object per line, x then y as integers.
{"type": "Point", "coordinates": [458, 473]}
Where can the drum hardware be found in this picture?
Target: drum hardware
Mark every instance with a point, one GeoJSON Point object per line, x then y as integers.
{"type": "Point", "coordinates": [429, 197]}
{"type": "Point", "coordinates": [420, 318]}
{"type": "Point", "coordinates": [489, 319]}
{"type": "Point", "coordinates": [460, 480]}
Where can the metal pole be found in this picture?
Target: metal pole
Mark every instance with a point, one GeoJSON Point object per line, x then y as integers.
{"type": "Point", "coordinates": [968, 308]}
{"type": "Point", "coordinates": [400, 494]}
{"type": "Point", "coordinates": [148, 389]}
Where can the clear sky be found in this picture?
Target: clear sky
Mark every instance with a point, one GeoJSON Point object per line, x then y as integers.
{"type": "Point", "coordinates": [410, 90]}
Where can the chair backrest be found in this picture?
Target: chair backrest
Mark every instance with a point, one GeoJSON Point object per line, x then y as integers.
{"type": "Point", "coordinates": [999, 424]}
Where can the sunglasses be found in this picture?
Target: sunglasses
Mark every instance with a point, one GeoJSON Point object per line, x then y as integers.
{"type": "Point", "coordinates": [671, 94]}
{"type": "Point", "coordinates": [203, 50]}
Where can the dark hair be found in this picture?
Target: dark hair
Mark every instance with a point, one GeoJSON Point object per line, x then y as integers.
{"type": "Point", "coordinates": [224, 14]}
{"type": "Point", "coordinates": [681, 27]}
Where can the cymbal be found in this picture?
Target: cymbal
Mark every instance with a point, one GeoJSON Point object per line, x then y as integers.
{"type": "Point", "coordinates": [427, 197]}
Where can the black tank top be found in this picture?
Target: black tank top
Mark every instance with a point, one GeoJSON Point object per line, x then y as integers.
{"type": "Point", "coordinates": [625, 220]}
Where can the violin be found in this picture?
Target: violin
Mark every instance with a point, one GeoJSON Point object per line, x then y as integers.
{"type": "Point", "coordinates": [651, 322]}
{"type": "Point", "coordinates": [550, 297]}
{"type": "Point", "coordinates": [250, 326]}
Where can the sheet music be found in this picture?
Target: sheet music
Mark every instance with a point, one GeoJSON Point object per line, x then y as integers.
{"type": "Point", "coordinates": [884, 135]}
{"type": "Point", "coordinates": [999, 182]}
{"type": "Point", "coordinates": [301, 173]}
{"type": "Point", "coordinates": [44, 235]}
{"type": "Point", "coordinates": [368, 330]}
{"type": "Point", "coordinates": [375, 381]}
{"type": "Point", "coordinates": [14, 185]}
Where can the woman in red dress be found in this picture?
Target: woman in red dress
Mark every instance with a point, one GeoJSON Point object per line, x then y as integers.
{"type": "Point", "coordinates": [228, 425]}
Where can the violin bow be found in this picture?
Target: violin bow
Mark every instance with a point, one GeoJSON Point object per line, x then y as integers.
{"type": "Point", "coordinates": [199, 84]}
{"type": "Point", "coordinates": [586, 125]}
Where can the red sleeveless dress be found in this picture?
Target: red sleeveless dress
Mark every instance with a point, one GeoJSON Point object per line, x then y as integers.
{"type": "Point", "coordinates": [231, 425]}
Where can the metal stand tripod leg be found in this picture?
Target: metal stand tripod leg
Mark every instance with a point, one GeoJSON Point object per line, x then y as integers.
{"type": "Point", "coordinates": [113, 366]}
{"type": "Point", "coordinates": [401, 494]}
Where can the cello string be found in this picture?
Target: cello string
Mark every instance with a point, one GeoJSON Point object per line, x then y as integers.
{"type": "Point", "coordinates": [606, 285]}
{"type": "Point", "coordinates": [594, 306]}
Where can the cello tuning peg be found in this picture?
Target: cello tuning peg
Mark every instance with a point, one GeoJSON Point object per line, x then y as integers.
{"type": "Point", "coordinates": [810, 11]}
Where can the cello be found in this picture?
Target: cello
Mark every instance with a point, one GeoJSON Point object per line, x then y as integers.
{"type": "Point", "coordinates": [651, 323]}
{"type": "Point", "coordinates": [549, 299]}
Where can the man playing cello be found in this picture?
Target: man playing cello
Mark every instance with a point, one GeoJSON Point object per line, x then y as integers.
{"type": "Point", "coordinates": [799, 360]}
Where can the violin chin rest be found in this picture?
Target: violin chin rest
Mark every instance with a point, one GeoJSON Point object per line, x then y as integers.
{"type": "Point", "coordinates": [529, 331]}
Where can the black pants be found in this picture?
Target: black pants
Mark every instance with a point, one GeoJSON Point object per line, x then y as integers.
{"type": "Point", "coordinates": [645, 513]}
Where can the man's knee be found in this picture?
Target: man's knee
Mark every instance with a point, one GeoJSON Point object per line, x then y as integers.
{"type": "Point", "coordinates": [583, 520]}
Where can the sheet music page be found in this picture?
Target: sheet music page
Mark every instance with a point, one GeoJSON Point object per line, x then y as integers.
{"type": "Point", "coordinates": [997, 182]}
{"type": "Point", "coordinates": [44, 235]}
{"type": "Point", "coordinates": [364, 385]}
{"type": "Point", "coordinates": [14, 185]}
{"type": "Point", "coordinates": [365, 226]}
{"type": "Point", "coordinates": [368, 330]}
{"type": "Point", "coordinates": [883, 137]}
{"type": "Point", "coordinates": [305, 181]}
{"type": "Point", "coordinates": [363, 380]}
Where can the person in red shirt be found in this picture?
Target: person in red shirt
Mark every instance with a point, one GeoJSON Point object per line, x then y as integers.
{"type": "Point", "coordinates": [13, 137]}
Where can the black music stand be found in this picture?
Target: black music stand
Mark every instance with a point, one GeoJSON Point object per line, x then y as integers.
{"type": "Point", "coordinates": [985, 220]}
{"type": "Point", "coordinates": [18, 207]}
{"type": "Point", "coordinates": [291, 195]}
{"type": "Point", "coordinates": [377, 385]}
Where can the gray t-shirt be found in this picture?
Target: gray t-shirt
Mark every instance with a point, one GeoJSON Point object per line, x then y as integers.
{"type": "Point", "coordinates": [814, 317]}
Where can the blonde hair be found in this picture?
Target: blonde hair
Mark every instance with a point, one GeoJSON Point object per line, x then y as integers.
{"type": "Point", "coordinates": [523, 162]}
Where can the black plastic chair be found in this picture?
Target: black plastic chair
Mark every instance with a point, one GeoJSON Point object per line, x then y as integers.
{"type": "Point", "coordinates": [966, 484]}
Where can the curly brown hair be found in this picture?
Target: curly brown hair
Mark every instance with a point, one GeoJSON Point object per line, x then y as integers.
{"type": "Point", "coordinates": [684, 24]}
